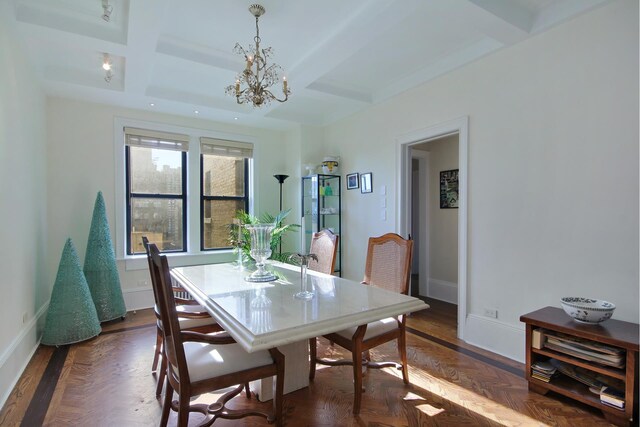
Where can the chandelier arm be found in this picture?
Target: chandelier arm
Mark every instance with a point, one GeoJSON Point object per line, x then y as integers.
{"type": "Point", "coordinates": [272, 96]}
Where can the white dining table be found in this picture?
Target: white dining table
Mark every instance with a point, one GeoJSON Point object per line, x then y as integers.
{"type": "Point", "coordinates": [266, 315]}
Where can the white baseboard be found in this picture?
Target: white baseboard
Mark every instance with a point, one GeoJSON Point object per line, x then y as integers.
{"type": "Point", "coordinates": [15, 358]}
{"type": "Point", "coordinates": [443, 290]}
{"type": "Point", "coordinates": [138, 298]}
{"type": "Point", "coordinates": [495, 336]}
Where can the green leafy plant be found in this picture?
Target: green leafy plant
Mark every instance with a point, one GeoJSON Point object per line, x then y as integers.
{"type": "Point", "coordinates": [276, 235]}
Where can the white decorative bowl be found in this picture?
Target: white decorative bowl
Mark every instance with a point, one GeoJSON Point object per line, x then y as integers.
{"type": "Point", "coordinates": [587, 310]}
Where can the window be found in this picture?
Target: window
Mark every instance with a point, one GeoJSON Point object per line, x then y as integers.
{"type": "Point", "coordinates": [156, 179]}
{"type": "Point", "coordinates": [224, 168]}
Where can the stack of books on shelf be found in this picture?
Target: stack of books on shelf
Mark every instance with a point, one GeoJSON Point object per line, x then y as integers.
{"type": "Point", "coordinates": [543, 371]}
{"type": "Point", "coordinates": [612, 397]}
{"type": "Point", "coordinates": [578, 347]}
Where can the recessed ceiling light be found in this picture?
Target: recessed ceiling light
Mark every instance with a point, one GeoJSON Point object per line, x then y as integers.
{"type": "Point", "coordinates": [151, 104]}
{"type": "Point", "coordinates": [235, 118]}
{"type": "Point", "coordinates": [196, 111]}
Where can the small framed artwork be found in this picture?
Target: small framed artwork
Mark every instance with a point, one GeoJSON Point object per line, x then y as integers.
{"type": "Point", "coordinates": [353, 181]}
{"type": "Point", "coordinates": [366, 185]}
{"type": "Point", "coordinates": [449, 189]}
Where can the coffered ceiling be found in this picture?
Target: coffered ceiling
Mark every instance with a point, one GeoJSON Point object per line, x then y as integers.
{"type": "Point", "coordinates": [339, 56]}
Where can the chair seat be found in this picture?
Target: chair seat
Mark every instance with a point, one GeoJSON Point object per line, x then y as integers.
{"type": "Point", "coordinates": [208, 361]}
{"type": "Point", "coordinates": [374, 329]}
{"type": "Point", "coordinates": [190, 308]}
{"type": "Point", "coordinates": [189, 323]}
{"type": "Point", "coordinates": [195, 323]}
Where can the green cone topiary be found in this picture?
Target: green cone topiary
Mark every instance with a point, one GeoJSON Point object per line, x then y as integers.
{"type": "Point", "coordinates": [72, 315]}
{"type": "Point", "coordinates": [100, 267]}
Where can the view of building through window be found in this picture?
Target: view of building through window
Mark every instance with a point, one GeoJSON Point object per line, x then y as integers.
{"type": "Point", "coordinates": [224, 192]}
{"type": "Point", "coordinates": [156, 202]}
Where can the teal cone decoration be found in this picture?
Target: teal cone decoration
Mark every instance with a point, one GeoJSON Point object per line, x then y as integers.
{"type": "Point", "coordinates": [72, 316]}
{"type": "Point", "coordinates": [100, 267]}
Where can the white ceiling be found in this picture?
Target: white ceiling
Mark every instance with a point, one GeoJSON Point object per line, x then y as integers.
{"type": "Point", "coordinates": [339, 56]}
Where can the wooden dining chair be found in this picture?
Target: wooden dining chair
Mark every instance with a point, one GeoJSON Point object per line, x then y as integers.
{"type": "Point", "coordinates": [191, 316]}
{"type": "Point", "coordinates": [324, 244]}
{"type": "Point", "coordinates": [201, 363]}
{"type": "Point", "coordinates": [388, 266]}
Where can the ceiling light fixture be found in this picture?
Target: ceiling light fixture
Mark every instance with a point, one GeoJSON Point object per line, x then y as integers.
{"type": "Point", "coordinates": [257, 81]}
{"type": "Point", "coordinates": [107, 67]}
{"type": "Point", "coordinates": [106, 10]}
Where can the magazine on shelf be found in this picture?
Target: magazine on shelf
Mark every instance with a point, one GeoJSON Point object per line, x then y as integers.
{"type": "Point", "coordinates": [585, 344]}
{"type": "Point", "coordinates": [589, 378]}
{"type": "Point", "coordinates": [614, 362]}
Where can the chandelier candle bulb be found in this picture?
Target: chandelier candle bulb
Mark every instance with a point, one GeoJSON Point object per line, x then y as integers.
{"type": "Point", "coordinates": [284, 84]}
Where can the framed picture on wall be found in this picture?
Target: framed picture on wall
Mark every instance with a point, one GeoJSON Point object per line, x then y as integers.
{"type": "Point", "coordinates": [449, 189]}
{"type": "Point", "coordinates": [366, 183]}
{"type": "Point", "coordinates": [353, 181]}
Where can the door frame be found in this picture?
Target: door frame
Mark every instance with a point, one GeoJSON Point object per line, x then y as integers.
{"type": "Point", "coordinates": [403, 215]}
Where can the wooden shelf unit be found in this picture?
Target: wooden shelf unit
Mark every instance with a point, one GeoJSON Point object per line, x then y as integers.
{"type": "Point", "coordinates": [612, 332]}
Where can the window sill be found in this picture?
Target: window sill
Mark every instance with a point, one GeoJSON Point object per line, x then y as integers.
{"type": "Point", "coordinates": [182, 259]}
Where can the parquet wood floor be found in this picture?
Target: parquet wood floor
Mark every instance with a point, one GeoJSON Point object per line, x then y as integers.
{"type": "Point", "coordinates": [107, 382]}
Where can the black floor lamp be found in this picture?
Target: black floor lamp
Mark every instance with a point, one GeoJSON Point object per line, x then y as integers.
{"type": "Point", "coordinates": [280, 179]}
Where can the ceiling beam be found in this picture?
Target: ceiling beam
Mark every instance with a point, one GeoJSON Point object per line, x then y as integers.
{"type": "Point", "coordinates": [145, 19]}
{"type": "Point", "coordinates": [503, 20]}
{"type": "Point", "coordinates": [200, 54]}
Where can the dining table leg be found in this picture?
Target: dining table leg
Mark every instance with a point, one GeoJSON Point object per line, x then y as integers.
{"type": "Point", "coordinates": [296, 371]}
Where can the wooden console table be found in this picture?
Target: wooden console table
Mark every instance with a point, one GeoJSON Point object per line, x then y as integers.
{"type": "Point", "coordinates": [611, 332]}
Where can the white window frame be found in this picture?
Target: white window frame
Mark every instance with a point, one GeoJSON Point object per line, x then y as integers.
{"type": "Point", "coordinates": [193, 255]}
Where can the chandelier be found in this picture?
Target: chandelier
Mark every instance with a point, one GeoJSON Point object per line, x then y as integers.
{"type": "Point", "coordinates": [252, 85]}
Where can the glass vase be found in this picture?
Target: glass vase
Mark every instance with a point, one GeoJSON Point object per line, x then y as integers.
{"type": "Point", "coordinates": [303, 260]}
{"type": "Point", "coordinates": [304, 293]}
{"type": "Point", "coordinates": [260, 251]}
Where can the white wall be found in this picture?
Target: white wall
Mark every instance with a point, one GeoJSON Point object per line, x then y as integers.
{"type": "Point", "coordinates": [443, 223]}
{"type": "Point", "coordinates": [553, 170]}
{"type": "Point", "coordinates": [25, 285]}
{"type": "Point", "coordinates": [81, 163]}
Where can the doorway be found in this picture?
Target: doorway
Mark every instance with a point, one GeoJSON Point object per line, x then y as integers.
{"type": "Point", "coordinates": [423, 156]}
{"type": "Point", "coordinates": [434, 218]}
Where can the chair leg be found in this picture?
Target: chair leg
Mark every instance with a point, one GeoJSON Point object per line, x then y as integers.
{"type": "Point", "coordinates": [357, 376]}
{"type": "Point", "coordinates": [156, 356]}
{"type": "Point", "coordinates": [183, 411]}
{"type": "Point", "coordinates": [166, 406]}
{"type": "Point", "coordinates": [161, 375]}
{"type": "Point", "coordinates": [312, 357]}
{"type": "Point", "coordinates": [247, 390]}
{"type": "Point", "coordinates": [277, 403]}
{"type": "Point", "coordinates": [278, 358]}
{"type": "Point", "coordinates": [402, 349]}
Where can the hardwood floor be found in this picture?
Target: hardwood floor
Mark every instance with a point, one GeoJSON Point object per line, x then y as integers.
{"type": "Point", "coordinates": [107, 382]}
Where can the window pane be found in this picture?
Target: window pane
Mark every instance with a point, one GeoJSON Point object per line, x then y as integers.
{"type": "Point", "coordinates": [158, 219]}
{"type": "Point", "coordinates": [222, 176]}
{"type": "Point", "coordinates": [155, 171]}
{"type": "Point", "coordinates": [218, 214]}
